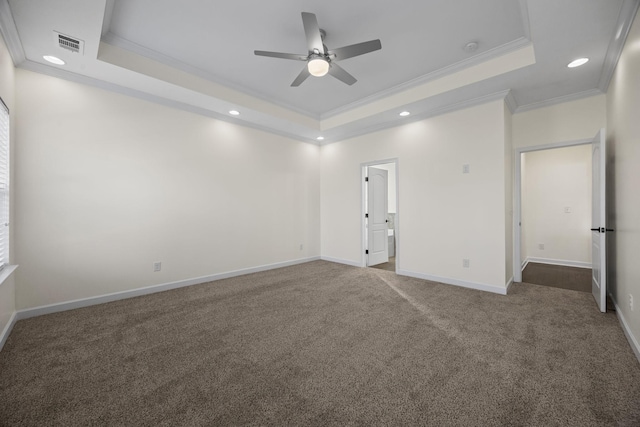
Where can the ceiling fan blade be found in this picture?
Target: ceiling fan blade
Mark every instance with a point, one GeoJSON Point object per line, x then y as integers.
{"type": "Point", "coordinates": [301, 77]}
{"type": "Point", "coordinates": [312, 31]}
{"type": "Point", "coordinates": [280, 55]}
{"type": "Point", "coordinates": [356, 49]}
{"type": "Point", "coordinates": [339, 73]}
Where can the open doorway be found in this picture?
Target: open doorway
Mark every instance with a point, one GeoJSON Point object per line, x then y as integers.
{"type": "Point", "coordinates": [380, 214]}
{"type": "Point", "coordinates": [597, 220]}
{"type": "Point", "coordinates": [556, 217]}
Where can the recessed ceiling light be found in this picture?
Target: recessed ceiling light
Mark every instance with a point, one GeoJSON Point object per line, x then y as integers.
{"type": "Point", "coordinates": [320, 138]}
{"type": "Point", "coordinates": [578, 62]}
{"type": "Point", "coordinates": [404, 114]}
{"type": "Point", "coordinates": [234, 112]}
{"type": "Point", "coordinates": [53, 60]}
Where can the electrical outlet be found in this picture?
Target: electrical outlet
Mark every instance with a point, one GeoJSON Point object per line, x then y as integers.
{"type": "Point", "coordinates": [465, 263]}
{"type": "Point", "coordinates": [567, 209]}
{"type": "Point", "coordinates": [301, 246]}
{"type": "Point", "coordinates": [465, 168]}
{"type": "Point", "coordinates": [157, 266]}
{"type": "Point", "coordinates": [541, 246]}
{"type": "Point", "coordinates": [631, 302]}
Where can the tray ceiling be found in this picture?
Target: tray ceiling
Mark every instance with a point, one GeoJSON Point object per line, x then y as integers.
{"type": "Point", "coordinates": [198, 55]}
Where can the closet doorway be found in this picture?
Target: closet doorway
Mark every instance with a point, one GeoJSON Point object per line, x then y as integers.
{"type": "Point", "coordinates": [577, 241]}
{"type": "Point", "coordinates": [556, 217]}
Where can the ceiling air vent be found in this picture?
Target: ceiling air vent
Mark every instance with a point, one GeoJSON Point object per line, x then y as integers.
{"type": "Point", "coordinates": [69, 43]}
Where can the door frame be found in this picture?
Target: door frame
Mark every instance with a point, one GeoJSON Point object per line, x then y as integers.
{"type": "Point", "coordinates": [517, 197]}
{"type": "Point", "coordinates": [363, 208]}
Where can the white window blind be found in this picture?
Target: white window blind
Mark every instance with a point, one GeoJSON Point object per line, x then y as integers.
{"type": "Point", "coordinates": [4, 185]}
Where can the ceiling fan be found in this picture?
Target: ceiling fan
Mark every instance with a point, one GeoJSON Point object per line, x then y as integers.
{"type": "Point", "coordinates": [319, 59]}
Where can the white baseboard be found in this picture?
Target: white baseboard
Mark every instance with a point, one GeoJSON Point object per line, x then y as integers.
{"type": "Point", "coordinates": [7, 329]}
{"type": "Point", "coordinates": [463, 283]}
{"type": "Point", "coordinates": [633, 342]}
{"type": "Point", "coordinates": [341, 261]}
{"type": "Point", "coordinates": [566, 263]}
{"type": "Point", "coordinates": [101, 299]}
{"type": "Point", "coordinates": [509, 283]}
{"type": "Point", "coordinates": [524, 264]}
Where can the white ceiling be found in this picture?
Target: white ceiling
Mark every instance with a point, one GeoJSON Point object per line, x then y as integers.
{"type": "Point", "coordinates": [198, 55]}
{"type": "Point", "coordinates": [412, 40]}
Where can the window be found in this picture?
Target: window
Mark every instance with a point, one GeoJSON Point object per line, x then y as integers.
{"type": "Point", "coordinates": [4, 184]}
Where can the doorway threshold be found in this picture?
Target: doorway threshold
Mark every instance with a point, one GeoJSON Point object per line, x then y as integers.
{"type": "Point", "coordinates": [388, 266]}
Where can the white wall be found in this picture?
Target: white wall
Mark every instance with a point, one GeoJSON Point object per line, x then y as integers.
{"type": "Point", "coordinates": [553, 180]}
{"type": "Point", "coordinates": [107, 185]}
{"type": "Point", "coordinates": [445, 215]}
{"type": "Point", "coordinates": [7, 92]}
{"type": "Point", "coordinates": [623, 139]}
{"type": "Point", "coordinates": [569, 121]}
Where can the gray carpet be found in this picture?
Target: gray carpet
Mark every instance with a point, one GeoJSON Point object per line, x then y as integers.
{"type": "Point", "coordinates": [324, 344]}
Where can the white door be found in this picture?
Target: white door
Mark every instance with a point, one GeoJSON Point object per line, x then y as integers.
{"type": "Point", "coordinates": [599, 222]}
{"type": "Point", "coordinates": [377, 208]}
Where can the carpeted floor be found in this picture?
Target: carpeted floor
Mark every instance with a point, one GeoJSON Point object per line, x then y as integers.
{"type": "Point", "coordinates": [324, 344]}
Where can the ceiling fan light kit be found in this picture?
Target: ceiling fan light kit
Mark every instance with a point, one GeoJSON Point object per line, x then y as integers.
{"type": "Point", "coordinates": [320, 60]}
{"type": "Point", "coordinates": [318, 66]}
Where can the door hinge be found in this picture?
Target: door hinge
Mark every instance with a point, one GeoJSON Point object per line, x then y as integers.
{"type": "Point", "coordinates": [366, 215]}
{"type": "Point", "coordinates": [366, 252]}
{"type": "Point", "coordinates": [366, 178]}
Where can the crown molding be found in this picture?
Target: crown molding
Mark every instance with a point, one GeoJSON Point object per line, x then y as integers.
{"type": "Point", "coordinates": [122, 43]}
{"type": "Point", "coordinates": [449, 108]}
{"type": "Point", "coordinates": [510, 101]}
{"type": "Point", "coordinates": [623, 26]}
{"type": "Point", "coordinates": [504, 49]}
{"type": "Point", "coordinates": [526, 22]}
{"type": "Point", "coordinates": [559, 100]}
{"type": "Point", "coordinates": [108, 14]}
{"type": "Point", "coordinates": [10, 34]}
{"type": "Point", "coordinates": [112, 87]}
